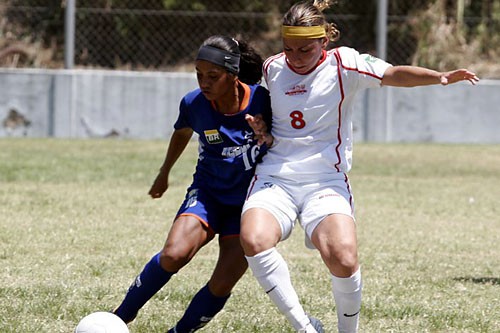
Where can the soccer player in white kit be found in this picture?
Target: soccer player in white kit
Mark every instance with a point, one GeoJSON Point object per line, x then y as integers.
{"type": "Point", "coordinates": [304, 174]}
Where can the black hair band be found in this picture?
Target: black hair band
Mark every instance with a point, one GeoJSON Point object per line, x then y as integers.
{"type": "Point", "coordinates": [228, 60]}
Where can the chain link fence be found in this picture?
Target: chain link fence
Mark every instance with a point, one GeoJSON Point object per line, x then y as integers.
{"type": "Point", "coordinates": [165, 34]}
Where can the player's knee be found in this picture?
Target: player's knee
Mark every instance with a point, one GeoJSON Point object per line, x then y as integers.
{"type": "Point", "coordinates": [342, 260]}
{"type": "Point", "coordinates": [174, 258]}
{"type": "Point", "coordinates": [254, 243]}
{"type": "Point", "coordinates": [258, 234]}
{"type": "Point", "coordinates": [344, 263]}
{"type": "Point", "coordinates": [348, 261]}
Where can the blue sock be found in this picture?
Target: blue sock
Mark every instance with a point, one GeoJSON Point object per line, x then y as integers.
{"type": "Point", "coordinates": [203, 307]}
{"type": "Point", "coordinates": [152, 278]}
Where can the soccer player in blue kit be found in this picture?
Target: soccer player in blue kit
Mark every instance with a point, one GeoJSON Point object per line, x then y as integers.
{"type": "Point", "coordinates": [228, 73]}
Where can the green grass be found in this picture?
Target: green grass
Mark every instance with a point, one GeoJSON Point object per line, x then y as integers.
{"type": "Point", "coordinates": [76, 226]}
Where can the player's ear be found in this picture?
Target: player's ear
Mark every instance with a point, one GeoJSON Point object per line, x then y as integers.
{"type": "Point", "coordinates": [324, 42]}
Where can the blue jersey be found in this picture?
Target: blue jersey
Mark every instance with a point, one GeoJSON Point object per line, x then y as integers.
{"type": "Point", "coordinates": [227, 150]}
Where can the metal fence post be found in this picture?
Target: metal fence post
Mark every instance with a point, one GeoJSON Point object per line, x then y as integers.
{"type": "Point", "coordinates": [69, 35]}
{"type": "Point", "coordinates": [382, 29]}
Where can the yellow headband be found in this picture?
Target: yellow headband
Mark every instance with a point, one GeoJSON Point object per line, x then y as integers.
{"type": "Point", "coordinates": [299, 32]}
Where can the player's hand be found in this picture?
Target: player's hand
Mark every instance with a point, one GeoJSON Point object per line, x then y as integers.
{"type": "Point", "coordinates": [160, 186]}
{"type": "Point", "coordinates": [259, 128]}
{"type": "Point", "coordinates": [458, 75]}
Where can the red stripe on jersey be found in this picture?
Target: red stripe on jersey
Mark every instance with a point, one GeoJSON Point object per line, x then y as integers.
{"type": "Point", "coordinates": [268, 62]}
{"type": "Point", "coordinates": [250, 188]}
{"type": "Point", "coordinates": [341, 85]}
{"type": "Point", "coordinates": [354, 69]}
{"type": "Point", "coordinates": [349, 190]}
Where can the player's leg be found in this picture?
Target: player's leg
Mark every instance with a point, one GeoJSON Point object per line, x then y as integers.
{"type": "Point", "coordinates": [335, 238]}
{"type": "Point", "coordinates": [260, 233]}
{"type": "Point", "coordinates": [328, 219]}
{"type": "Point", "coordinates": [230, 267]}
{"type": "Point", "coordinates": [185, 238]}
{"type": "Point", "coordinates": [269, 267]}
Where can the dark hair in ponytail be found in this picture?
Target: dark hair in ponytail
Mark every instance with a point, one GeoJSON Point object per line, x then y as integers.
{"type": "Point", "coordinates": [250, 61]}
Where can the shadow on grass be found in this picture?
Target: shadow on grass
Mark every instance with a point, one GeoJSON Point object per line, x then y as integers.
{"type": "Point", "coordinates": [479, 280]}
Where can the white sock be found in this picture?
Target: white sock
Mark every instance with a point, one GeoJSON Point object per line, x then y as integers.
{"type": "Point", "coordinates": [347, 294]}
{"type": "Point", "coordinates": [271, 271]}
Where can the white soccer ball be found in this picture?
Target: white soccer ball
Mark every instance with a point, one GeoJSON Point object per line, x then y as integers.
{"type": "Point", "coordinates": [101, 322]}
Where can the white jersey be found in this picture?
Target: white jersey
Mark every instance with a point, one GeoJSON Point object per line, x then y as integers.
{"type": "Point", "coordinates": [312, 113]}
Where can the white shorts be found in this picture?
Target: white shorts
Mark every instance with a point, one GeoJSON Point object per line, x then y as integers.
{"type": "Point", "coordinates": [310, 203]}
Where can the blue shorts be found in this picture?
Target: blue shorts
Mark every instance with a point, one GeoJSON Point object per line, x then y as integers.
{"type": "Point", "coordinates": [221, 218]}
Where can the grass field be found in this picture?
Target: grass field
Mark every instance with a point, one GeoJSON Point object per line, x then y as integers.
{"type": "Point", "coordinates": [76, 226]}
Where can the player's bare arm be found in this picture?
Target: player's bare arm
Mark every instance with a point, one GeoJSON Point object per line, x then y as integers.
{"type": "Point", "coordinates": [178, 142]}
{"type": "Point", "coordinates": [412, 76]}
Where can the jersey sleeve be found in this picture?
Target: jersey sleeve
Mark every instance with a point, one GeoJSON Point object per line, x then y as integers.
{"type": "Point", "coordinates": [370, 69]}
{"type": "Point", "coordinates": [271, 67]}
{"type": "Point", "coordinates": [183, 118]}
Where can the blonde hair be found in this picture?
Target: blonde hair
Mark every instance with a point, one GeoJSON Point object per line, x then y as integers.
{"type": "Point", "coordinates": [308, 14]}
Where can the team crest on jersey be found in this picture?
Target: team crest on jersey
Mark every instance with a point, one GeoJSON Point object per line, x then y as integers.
{"type": "Point", "coordinates": [370, 58]}
{"type": "Point", "coordinates": [213, 136]}
{"type": "Point", "coordinates": [298, 89]}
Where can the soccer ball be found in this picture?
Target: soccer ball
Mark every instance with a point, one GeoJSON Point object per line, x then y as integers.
{"type": "Point", "coordinates": [101, 322]}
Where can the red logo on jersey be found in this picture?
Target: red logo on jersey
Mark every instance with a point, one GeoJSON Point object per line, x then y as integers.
{"type": "Point", "coordinates": [299, 89]}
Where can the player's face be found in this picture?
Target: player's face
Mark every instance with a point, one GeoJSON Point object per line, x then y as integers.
{"type": "Point", "coordinates": [214, 81]}
{"type": "Point", "coordinates": [303, 54]}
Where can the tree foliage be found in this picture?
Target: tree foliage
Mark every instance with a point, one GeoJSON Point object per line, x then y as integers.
{"type": "Point", "coordinates": [165, 33]}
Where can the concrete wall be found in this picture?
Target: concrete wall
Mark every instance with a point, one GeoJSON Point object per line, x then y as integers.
{"type": "Point", "coordinates": [459, 113]}
{"type": "Point", "coordinates": [85, 103]}
{"type": "Point", "coordinates": [95, 103]}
